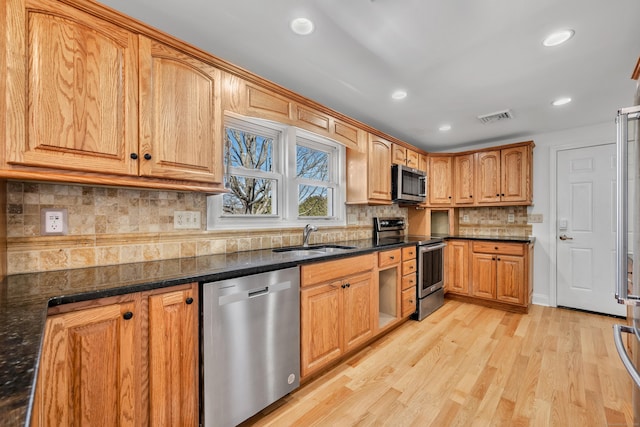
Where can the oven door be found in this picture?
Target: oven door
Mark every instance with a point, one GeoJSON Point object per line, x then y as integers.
{"type": "Point", "coordinates": [430, 269]}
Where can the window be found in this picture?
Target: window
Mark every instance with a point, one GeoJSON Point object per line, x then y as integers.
{"type": "Point", "coordinates": [277, 175]}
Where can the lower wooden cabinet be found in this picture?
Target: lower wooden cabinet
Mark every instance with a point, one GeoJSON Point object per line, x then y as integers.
{"type": "Point", "coordinates": [336, 310]}
{"type": "Point", "coordinates": [457, 273]}
{"type": "Point", "coordinates": [493, 273]}
{"type": "Point", "coordinates": [409, 281]}
{"type": "Point", "coordinates": [113, 361]}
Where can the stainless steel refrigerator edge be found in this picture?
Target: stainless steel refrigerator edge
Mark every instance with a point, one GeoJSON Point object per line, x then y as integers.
{"type": "Point", "coordinates": [251, 344]}
{"type": "Point", "coordinates": [628, 242]}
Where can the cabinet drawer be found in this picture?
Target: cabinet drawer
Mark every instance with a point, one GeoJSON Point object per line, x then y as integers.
{"type": "Point", "coordinates": [408, 281]}
{"type": "Point", "coordinates": [389, 257]}
{"type": "Point", "coordinates": [408, 301]}
{"type": "Point", "coordinates": [408, 267]}
{"type": "Point", "coordinates": [499, 248]}
{"type": "Point", "coordinates": [408, 253]}
{"type": "Point", "coordinates": [332, 270]}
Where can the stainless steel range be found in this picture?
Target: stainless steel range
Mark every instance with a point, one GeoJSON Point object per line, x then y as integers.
{"type": "Point", "coordinates": [430, 260]}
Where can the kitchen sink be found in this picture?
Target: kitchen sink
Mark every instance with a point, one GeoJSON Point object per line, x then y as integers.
{"type": "Point", "coordinates": [315, 249]}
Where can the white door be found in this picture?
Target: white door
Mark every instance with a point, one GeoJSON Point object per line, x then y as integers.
{"type": "Point", "coordinates": [585, 229]}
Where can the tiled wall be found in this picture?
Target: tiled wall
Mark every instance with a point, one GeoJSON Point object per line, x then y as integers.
{"type": "Point", "coordinates": [494, 221]}
{"type": "Point", "coordinates": [116, 225]}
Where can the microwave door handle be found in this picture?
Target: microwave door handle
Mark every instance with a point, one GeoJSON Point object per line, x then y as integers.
{"type": "Point", "coordinates": [424, 193]}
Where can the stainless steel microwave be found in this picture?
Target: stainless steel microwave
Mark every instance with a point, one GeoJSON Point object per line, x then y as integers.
{"type": "Point", "coordinates": [408, 185]}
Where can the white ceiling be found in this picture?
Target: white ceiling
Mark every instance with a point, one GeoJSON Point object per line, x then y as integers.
{"type": "Point", "coordinates": [456, 59]}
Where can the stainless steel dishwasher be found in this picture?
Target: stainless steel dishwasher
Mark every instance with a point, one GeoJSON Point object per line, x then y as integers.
{"type": "Point", "coordinates": [250, 345]}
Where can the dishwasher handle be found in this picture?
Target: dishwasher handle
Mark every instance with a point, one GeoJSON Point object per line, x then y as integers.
{"type": "Point", "coordinates": [243, 295]}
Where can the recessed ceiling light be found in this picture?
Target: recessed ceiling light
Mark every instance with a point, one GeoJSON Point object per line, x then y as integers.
{"type": "Point", "coordinates": [559, 37]}
{"type": "Point", "coordinates": [399, 94]}
{"type": "Point", "coordinates": [302, 26]}
{"type": "Point", "coordinates": [561, 101]}
{"type": "Point", "coordinates": [444, 128]}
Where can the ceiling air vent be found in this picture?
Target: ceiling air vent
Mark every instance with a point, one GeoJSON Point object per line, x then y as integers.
{"type": "Point", "coordinates": [496, 117]}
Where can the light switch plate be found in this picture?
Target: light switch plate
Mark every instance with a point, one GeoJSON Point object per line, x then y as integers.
{"type": "Point", "coordinates": [534, 218]}
{"type": "Point", "coordinates": [53, 222]}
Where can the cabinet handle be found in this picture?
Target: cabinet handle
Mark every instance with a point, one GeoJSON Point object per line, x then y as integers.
{"type": "Point", "coordinates": [449, 196]}
{"type": "Point", "coordinates": [410, 301]}
{"type": "Point", "coordinates": [493, 259]}
{"type": "Point", "coordinates": [502, 194]}
{"type": "Point", "coordinates": [134, 156]}
{"type": "Point", "coordinates": [189, 300]}
{"type": "Point", "coordinates": [497, 195]}
{"type": "Point", "coordinates": [471, 196]}
{"type": "Point", "coordinates": [127, 316]}
{"type": "Point", "coordinates": [348, 285]}
{"type": "Point", "coordinates": [392, 257]}
{"type": "Point", "coordinates": [498, 259]}
{"type": "Point", "coordinates": [344, 286]}
{"type": "Point", "coordinates": [495, 247]}
{"type": "Point", "coordinates": [147, 156]}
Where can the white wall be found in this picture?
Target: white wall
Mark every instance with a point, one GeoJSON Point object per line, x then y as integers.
{"type": "Point", "coordinates": [543, 265]}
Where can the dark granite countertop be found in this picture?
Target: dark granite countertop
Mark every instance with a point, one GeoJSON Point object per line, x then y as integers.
{"type": "Point", "coordinates": [504, 239]}
{"type": "Point", "coordinates": [24, 300]}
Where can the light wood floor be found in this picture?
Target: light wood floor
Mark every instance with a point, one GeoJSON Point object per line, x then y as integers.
{"type": "Point", "coordinates": [467, 365]}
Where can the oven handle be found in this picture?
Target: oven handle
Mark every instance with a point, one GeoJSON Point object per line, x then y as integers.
{"type": "Point", "coordinates": [430, 248]}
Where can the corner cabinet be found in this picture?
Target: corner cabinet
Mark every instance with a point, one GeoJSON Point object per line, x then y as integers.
{"type": "Point", "coordinates": [114, 361]}
{"type": "Point", "coordinates": [336, 310]}
{"type": "Point", "coordinates": [93, 102]}
{"type": "Point", "coordinates": [440, 181]}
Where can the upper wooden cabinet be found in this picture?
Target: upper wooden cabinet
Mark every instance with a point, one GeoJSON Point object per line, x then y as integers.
{"type": "Point", "coordinates": [90, 97]}
{"type": "Point", "coordinates": [504, 176]}
{"type": "Point", "coordinates": [369, 173]}
{"type": "Point", "coordinates": [464, 179]}
{"type": "Point", "coordinates": [253, 100]}
{"type": "Point", "coordinates": [72, 82]}
{"type": "Point", "coordinates": [404, 156]}
{"type": "Point", "coordinates": [180, 115]}
{"type": "Point", "coordinates": [440, 181]}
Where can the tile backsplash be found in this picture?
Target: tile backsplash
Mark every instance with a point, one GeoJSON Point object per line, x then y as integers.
{"type": "Point", "coordinates": [116, 225]}
{"type": "Point", "coordinates": [494, 221]}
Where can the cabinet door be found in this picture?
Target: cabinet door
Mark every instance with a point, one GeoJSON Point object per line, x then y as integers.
{"type": "Point", "coordinates": [515, 174]}
{"type": "Point", "coordinates": [71, 88]}
{"type": "Point", "coordinates": [89, 370]}
{"type": "Point", "coordinates": [440, 181]}
{"type": "Point", "coordinates": [463, 179]}
{"type": "Point", "coordinates": [483, 281]}
{"type": "Point", "coordinates": [398, 155]}
{"type": "Point", "coordinates": [180, 115]}
{"type": "Point", "coordinates": [358, 313]}
{"type": "Point", "coordinates": [379, 169]}
{"type": "Point", "coordinates": [320, 327]}
{"type": "Point", "coordinates": [412, 159]}
{"type": "Point", "coordinates": [458, 263]}
{"type": "Point", "coordinates": [510, 279]}
{"type": "Point", "coordinates": [408, 301]}
{"type": "Point", "coordinates": [423, 163]}
{"type": "Point", "coordinates": [488, 177]}
{"type": "Point", "coordinates": [173, 358]}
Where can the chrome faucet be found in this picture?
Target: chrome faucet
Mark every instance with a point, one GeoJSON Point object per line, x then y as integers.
{"type": "Point", "coordinates": [305, 234]}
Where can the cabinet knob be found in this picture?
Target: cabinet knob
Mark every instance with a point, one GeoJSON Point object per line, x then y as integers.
{"type": "Point", "coordinates": [189, 300]}
{"type": "Point", "coordinates": [348, 285]}
{"type": "Point", "coordinates": [344, 286]}
{"type": "Point", "coordinates": [449, 196]}
{"type": "Point", "coordinates": [502, 194]}
{"type": "Point", "coordinates": [410, 301]}
{"type": "Point", "coordinates": [498, 259]}
{"type": "Point", "coordinates": [497, 195]}
{"type": "Point", "coordinates": [493, 259]}
{"type": "Point", "coordinates": [495, 247]}
{"type": "Point", "coordinates": [134, 156]}
{"type": "Point", "coordinates": [147, 156]}
{"type": "Point", "coordinates": [127, 316]}
{"type": "Point", "coordinates": [392, 257]}
{"type": "Point", "coordinates": [471, 196]}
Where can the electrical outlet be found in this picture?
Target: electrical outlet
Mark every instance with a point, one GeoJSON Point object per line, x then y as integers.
{"type": "Point", "coordinates": [534, 218]}
{"type": "Point", "coordinates": [511, 218]}
{"type": "Point", "coordinates": [53, 221]}
{"type": "Point", "coordinates": [465, 219]}
{"type": "Point", "coordinates": [183, 220]}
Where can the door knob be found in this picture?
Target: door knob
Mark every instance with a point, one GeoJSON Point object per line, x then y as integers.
{"type": "Point", "coordinates": [565, 237]}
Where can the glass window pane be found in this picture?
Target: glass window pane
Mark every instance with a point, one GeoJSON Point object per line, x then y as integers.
{"type": "Point", "coordinates": [312, 164]}
{"type": "Point", "coordinates": [249, 196]}
{"type": "Point", "coordinates": [248, 150]}
{"type": "Point", "coordinates": [314, 201]}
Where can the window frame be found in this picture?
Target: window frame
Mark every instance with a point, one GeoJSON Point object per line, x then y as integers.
{"type": "Point", "coordinates": [285, 171]}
